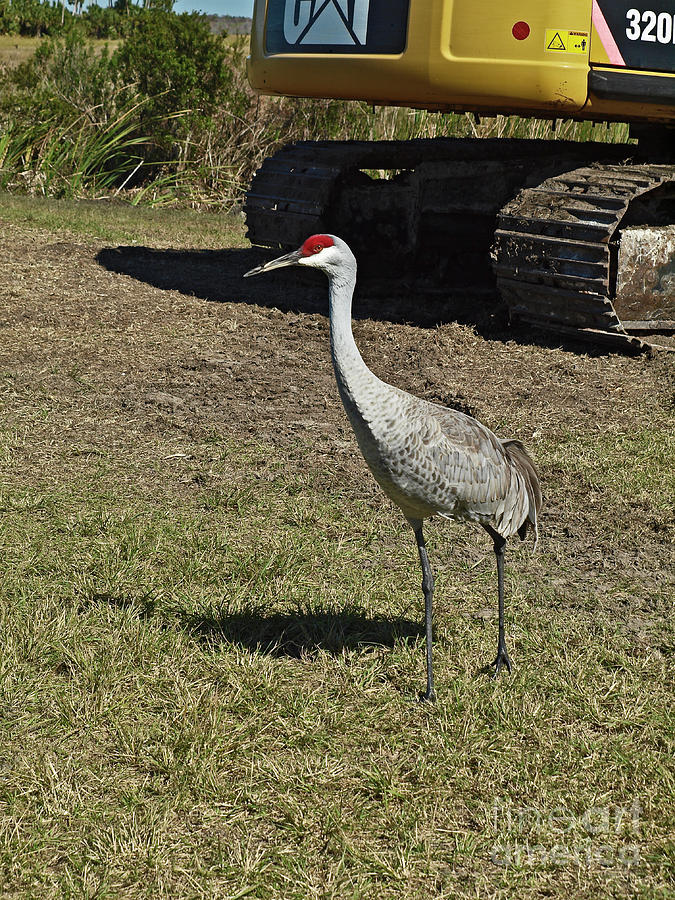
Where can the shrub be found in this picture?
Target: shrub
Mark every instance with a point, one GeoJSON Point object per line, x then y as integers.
{"type": "Point", "coordinates": [65, 78]}
{"type": "Point", "coordinates": [180, 67]}
{"type": "Point", "coordinates": [104, 22]}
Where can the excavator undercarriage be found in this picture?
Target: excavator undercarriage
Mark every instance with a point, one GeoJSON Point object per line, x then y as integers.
{"type": "Point", "coordinates": [578, 238]}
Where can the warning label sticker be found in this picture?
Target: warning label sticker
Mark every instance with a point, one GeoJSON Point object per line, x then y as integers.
{"type": "Point", "coordinates": [558, 40]}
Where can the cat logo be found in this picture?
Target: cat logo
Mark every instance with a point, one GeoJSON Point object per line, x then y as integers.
{"type": "Point", "coordinates": [336, 22]}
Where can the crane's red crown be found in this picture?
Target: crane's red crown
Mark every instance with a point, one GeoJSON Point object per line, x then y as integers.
{"type": "Point", "coordinates": [316, 243]}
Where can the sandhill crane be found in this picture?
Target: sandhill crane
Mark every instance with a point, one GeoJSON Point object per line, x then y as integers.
{"type": "Point", "coordinates": [429, 459]}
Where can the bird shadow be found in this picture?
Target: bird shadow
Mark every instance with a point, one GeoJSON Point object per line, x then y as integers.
{"type": "Point", "coordinates": [293, 634]}
{"type": "Point", "coordinates": [296, 634]}
{"type": "Point", "coordinates": [281, 635]}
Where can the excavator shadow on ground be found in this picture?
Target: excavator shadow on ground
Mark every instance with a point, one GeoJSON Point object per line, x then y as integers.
{"type": "Point", "coordinates": [216, 276]}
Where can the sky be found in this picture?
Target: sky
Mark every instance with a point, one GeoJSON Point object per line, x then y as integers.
{"type": "Point", "coordinates": [219, 7]}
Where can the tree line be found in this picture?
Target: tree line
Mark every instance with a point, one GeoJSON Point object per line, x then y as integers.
{"type": "Point", "coordinates": [38, 18]}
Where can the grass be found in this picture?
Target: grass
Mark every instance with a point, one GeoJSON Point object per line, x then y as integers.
{"type": "Point", "coordinates": [211, 645]}
{"type": "Point", "coordinates": [16, 49]}
{"type": "Point", "coordinates": [83, 158]}
{"type": "Point", "coordinates": [116, 221]}
{"type": "Point", "coordinates": [209, 697]}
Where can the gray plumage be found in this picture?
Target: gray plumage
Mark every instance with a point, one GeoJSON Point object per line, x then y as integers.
{"type": "Point", "coordinates": [429, 459]}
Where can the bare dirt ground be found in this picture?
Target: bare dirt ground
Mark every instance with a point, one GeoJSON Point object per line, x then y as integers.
{"type": "Point", "coordinates": [141, 354]}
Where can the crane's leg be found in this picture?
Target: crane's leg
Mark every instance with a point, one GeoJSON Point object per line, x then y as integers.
{"type": "Point", "coordinates": [428, 589]}
{"type": "Point", "coordinates": [502, 655]}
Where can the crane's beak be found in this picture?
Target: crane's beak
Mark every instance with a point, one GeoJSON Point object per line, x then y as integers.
{"type": "Point", "coordinates": [290, 259]}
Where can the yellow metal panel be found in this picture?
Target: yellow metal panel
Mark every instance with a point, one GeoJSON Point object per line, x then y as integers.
{"type": "Point", "coordinates": [459, 54]}
{"type": "Point", "coordinates": [485, 57]}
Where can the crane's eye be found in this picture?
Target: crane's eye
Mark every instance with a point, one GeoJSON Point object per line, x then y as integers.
{"type": "Point", "coordinates": [317, 248]}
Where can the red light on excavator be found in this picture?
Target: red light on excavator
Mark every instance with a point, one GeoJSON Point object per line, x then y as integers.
{"type": "Point", "coordinates": [520, 31]}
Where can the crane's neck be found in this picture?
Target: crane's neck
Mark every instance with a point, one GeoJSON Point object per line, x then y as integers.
{"type": "Point", "coordinates": [351, 372]}
{"type": "Point", "coordinates": [367, 400]}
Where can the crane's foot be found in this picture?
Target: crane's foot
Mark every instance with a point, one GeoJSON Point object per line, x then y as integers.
{"type": "Point", "coordinates": [429, 696]}
{"type": "Point", "coordinates": [501, 660]}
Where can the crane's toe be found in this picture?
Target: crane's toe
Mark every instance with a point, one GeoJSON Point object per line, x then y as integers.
{"type": "Point", "coordinates": [501, 660]}
{"type": "Point", "coordinates": [429, 696]}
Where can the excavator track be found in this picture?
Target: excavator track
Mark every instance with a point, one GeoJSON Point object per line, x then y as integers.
{"type": "Point", "coordinates": [557, 253]}
{"type": "Point", "coordinates": [544, 220]}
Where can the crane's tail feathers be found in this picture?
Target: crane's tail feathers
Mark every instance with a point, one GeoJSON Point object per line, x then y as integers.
{"type": "Point", "coordinates": [527, 469]}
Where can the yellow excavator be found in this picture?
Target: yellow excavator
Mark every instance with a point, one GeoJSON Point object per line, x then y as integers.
{"type": "Point", "coordinates": [579, 236]}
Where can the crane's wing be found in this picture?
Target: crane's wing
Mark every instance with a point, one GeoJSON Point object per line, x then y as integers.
{"type": "Point", "coordinates": [469, 471]}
